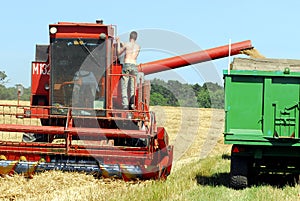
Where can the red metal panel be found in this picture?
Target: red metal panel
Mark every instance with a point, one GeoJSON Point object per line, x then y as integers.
{"type": "Point", "coordinates": [58, 130]}
{"type": "Point", "coordinates": [116, 155]}
{"type": "Point", "coordinates": [81, 30]}
{"type": "Point", "coordinates": [115, 84]}
{"type": "Point", "coordinates": [75, 35]}
{"type": "Point", "coordinates": [32, 129]}
{"type": "Point", "coordinates": [40, 74]}
{"type": "Point", "coordinates": [99, 132]}
{"type": "Point", "coordinates": [38, 112]}
{"type": "Point", "coordinates": [115, 78]}
{"type": "Point", "coordinates": [48, 146]}
{"type": "Point", "coordinates": [162, 138]}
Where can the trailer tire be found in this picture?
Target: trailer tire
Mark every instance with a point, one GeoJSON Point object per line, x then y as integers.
{"type": "Point", "coordinates": [238, 182]}
{"type": "Point", "coordinates": [239, 172]}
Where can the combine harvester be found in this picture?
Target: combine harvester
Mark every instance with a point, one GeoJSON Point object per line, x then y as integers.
{"type": "Point", "coordinates": [75, 121]}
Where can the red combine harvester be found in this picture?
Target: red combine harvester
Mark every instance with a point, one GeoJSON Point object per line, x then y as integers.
{"type": "Point", "coordinates": [75, 121]}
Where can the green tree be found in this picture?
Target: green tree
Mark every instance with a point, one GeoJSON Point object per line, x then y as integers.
{"type": "Point", "coordinates": [26, 95]}
{"type": "Point", "coordinates": [3, 77]}
{"type": "Point", "coordinates": [158, 99]}
{"type": "Point", "coordinates": [11, 93]}
{"type": "Point", "coordinates": [175, 93]}
{"type": "Point", "coordinates": [203, 99]}
{"type": "Point", "coordinates": [196, 87]}
{"type": "Point", "coordinates": [216, 94]}
{"type": "Point", "coordinates": [217, 99]}
{"type": "Point", "coordinates": [167, 97]}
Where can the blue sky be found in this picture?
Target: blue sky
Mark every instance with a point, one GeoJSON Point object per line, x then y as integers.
{"type": "Point", "coordinates": [272, 26]}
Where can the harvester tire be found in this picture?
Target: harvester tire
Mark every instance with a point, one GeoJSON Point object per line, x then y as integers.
{"type": "Point", "coordinates": [239, 172]}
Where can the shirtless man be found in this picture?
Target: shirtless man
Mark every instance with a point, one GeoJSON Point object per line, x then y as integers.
{"type": "Point", "coordinates": [131, 50]}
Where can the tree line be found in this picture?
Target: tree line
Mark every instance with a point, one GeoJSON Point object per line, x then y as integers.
{"type": "Point", "coordinates": [175, 93]}
{"type": "Point", "coordinates": [11, 93]}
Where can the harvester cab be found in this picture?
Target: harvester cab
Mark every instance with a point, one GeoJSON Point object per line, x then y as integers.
{"type": "Point", "coordinates": [85, 70]}
{"type": "Point", "coordinates": [78, 75]}
{"type": "Point", "coordinates": [75, 120]}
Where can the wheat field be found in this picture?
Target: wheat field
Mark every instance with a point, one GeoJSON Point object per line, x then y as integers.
{"type": "Point", "coordinates": [196, 133]}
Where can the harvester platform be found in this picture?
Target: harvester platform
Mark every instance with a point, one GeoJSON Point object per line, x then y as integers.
{"type": "Point", "coordinates": [108, 152]}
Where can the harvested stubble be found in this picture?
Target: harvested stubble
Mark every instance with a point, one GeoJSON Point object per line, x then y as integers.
{"type": "Point", "coordinates": [195, 133]}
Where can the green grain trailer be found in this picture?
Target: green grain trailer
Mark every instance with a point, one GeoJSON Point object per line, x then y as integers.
{"type": "Point", "coordinates": [262, 123]}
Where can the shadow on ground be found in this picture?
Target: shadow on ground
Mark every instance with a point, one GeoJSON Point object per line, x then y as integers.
{"type": "Point", "coordinates": [275, 180]}
{"type": "Point", "coordinates": [220, 179]}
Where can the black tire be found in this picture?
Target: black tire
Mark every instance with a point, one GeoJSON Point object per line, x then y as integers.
{"type": "Point", "coordinates": [239, 172]}
{"type": "Point", "coordinates": [238, 182]}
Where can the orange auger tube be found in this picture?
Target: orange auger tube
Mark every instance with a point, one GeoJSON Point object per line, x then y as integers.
{"type": "Point", "coordinates": [194, 57]}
